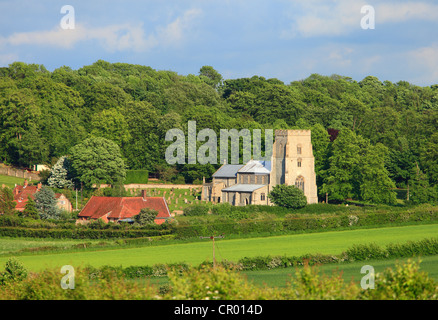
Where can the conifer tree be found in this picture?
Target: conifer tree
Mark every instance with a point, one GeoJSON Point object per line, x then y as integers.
{"type": "Point", "coordinates": [46, 203]}
{"type": "Point", "coordinates": [59, 174]}
{"type": "Point", "coordinates": [7, 204]}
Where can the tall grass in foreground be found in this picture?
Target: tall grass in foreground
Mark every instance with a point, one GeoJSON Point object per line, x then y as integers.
{"type": "Point", "coordinates": [206, 283]}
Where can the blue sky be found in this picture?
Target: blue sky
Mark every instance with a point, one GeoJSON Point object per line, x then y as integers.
{"type": "Point", "coordinates": [284, 39]}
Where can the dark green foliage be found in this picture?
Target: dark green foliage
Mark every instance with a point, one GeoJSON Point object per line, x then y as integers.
{"type": "Point", "coordinates": [386, 128]}
{"type": "Point", "coordinates": [288, 197]}
{"type": "Point", "coordinates": [30, 210]}
{"type": "Point", "coordinates": [366, 252]}
{"type": "Point", "coordinates": [96, 161]}
{"type": "Point", "coordinates": [137, 176]}
{"type": "Point", "coordinates": [14, 271]}
{"type": "Point", "coordinates": [7, 204]}
{"type": "Point", "coordinates": [145, 217]}
{"type": "Point", "coordinates": [196, 210]}
{"type": "Point", "coordinates": [81, 233]}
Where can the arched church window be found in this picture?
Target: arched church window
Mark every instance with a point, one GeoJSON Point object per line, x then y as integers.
{"type": "Point", "coordinates": [299, 183]}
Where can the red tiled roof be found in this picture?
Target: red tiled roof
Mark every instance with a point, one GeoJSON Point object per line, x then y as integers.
{"type": "Point", "coordinates": [119, 208]}
{"type": "Point", "coordinates": [21, 193]}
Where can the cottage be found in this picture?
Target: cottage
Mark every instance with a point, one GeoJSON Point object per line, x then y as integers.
{"type": "Point", "coordinates": [21, 194]}
{"type": "Point", "coordinates": [116, 209]}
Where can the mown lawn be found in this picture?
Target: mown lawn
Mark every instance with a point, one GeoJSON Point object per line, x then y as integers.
{"type": "Point", "coordinates": [334, 242]}
{"type": "Point", "coordinates": [10, 181]}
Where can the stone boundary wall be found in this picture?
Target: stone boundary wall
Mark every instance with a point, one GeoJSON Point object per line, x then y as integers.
{"type": "Point", "coordinates": [156, 186]}
{"type": "Point", "coordinates": [19, 173]}
{"type": "Point", "coordinates": [162, 186]}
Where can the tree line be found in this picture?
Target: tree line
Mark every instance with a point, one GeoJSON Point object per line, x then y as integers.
{"type": "Point", "coordinates": [386, 133]}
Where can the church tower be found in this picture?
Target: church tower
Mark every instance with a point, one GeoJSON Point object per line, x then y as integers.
{"type": "Point", "coordinates": [293, 162]}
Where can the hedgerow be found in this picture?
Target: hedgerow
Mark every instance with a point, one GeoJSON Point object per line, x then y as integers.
{"type": "Point", "coordinates": [238, 221]}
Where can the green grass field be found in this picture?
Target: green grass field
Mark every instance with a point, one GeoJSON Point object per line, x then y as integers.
{"type": "Point", "coordinates": [334, 242]}
{"type": "Point", "coordinates": [350, 271]}
{"type": "Point", "coordinates": [9, 246]}
{"type": "Point", "coordinates": [10, 181]}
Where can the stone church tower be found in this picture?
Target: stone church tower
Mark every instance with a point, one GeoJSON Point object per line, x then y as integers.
{"type": "Point", "coordinates": [293, 162]}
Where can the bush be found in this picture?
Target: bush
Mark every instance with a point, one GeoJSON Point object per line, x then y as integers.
{"type": "Point", "coordinates": [364, 252]}
{"type": "Point", "coordinates": [196, 210]}
{"type": "Point", "coordinates": [222, 209]}
{"type": "Point", "coordinates": [218, 283]}
{"type": "Point", "coordinates": [406, 282]}
{"type": "Point", "coordinates": [109, 286]}
{"type": "Point", "coordinates": [14, 271]}
{"type": "Point", "coordinates": [309, 284]}
{"type": "Point", "coordinates": [145, 217]}
{"type": "Point", "coordinates": [288, 197]}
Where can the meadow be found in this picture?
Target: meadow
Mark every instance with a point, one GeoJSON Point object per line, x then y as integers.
{"type": "Point", "coordinates": [334, 242]}
{"type": "Point", "coordinates": [349, 271]}
{"type": "Point", "coordinates": [10, 181]}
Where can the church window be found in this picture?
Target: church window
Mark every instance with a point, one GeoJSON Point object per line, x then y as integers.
{"type": "Point", "coordinates": [299, 183]}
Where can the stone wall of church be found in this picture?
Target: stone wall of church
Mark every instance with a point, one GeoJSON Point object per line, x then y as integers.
{"type": "Point", "coordinates": [298, 164]}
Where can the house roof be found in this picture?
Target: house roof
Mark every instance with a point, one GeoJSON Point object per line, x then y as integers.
{"type": "Point", "coordinates": [227, 171]}
{"type": "Point", "coordinates": [257, 167]}
{"type": "Point", "coordinates": [21, 193]}
{"type": "Point", "coordinates": [120, 208]}
{"type": "Point", "coordinates": [244, 187]}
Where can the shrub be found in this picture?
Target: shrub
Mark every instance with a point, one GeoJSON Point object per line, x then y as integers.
{"type": "Point", "coordinates": [46, 286]}
{"type": "Point", "coordinates": [14, 271]}
{"type": "Point", "coordinates": [145, 217]}
{"type": "Point", "coordinates": [406, 282]}
{"type": "Point", "coordinates": [196, 210]}
{"type": "Point", "coordinates": [288, 197]}
{"type": "Point", "coordinates": [362, 252]}
{"type": "Point", "coordinates": [218, 283]}
{"type": "Point", "coordinates": [222, 209]}
{"type": "Point", "coordinates": [309, 284]}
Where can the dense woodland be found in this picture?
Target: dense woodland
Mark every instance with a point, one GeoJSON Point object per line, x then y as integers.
{"type": "Point", "coordinates": [386, 138]}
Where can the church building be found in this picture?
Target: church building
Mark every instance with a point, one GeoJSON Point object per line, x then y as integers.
{"type": "Point", "coordinates": [292, 163]}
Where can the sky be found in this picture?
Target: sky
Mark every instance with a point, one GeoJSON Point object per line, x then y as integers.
{"type": "Point", "coordinates": [284, 39]}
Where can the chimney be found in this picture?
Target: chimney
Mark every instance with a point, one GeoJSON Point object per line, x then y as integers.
{"type": "Point", "coordinates": [143, 194]}
{"type": "Point", "coordinates": [25, 183]}
{"type": "Point", "coordinates": [39, 186]}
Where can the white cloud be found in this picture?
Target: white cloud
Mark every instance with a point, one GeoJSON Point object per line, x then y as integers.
{"type": "Point", "coordinates": [120, 37]}
{"type": "Point", "coordinates": [340, 17]}
{"type": "Point", "coordinates": [175, 32]}
{"type": "Point", "coordinates": [424, 61]}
